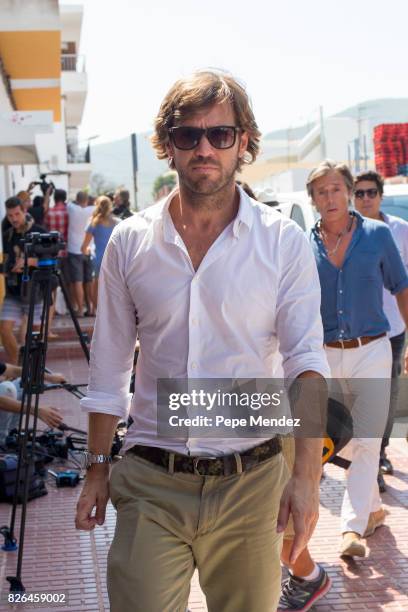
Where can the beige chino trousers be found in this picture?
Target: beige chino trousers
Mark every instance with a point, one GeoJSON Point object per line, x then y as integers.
{"type": "Point", "coordinates": [170, 524]}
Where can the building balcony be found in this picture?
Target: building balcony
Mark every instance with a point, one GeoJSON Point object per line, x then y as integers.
{"type": "Point", "coordinates": [74, 86]}
{"type": "Point", "coordinates": [78, 156]}
{"type": "Point", "coordinates": [71, 62]}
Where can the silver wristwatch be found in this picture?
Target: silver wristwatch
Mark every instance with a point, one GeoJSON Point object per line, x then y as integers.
{"type": "Point", "coordinates": [89, 459]}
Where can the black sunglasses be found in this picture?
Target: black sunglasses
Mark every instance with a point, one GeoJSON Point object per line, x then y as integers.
{"type": "Point", "coordinates": [360, 193]}
{"type": "Point", "coordinates": [186, 138]}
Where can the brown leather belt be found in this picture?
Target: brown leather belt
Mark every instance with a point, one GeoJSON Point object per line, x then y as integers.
{"type": "Point", "coordinates": [209, 466]}
{"type": "Point", "coordinates": [354, 342]}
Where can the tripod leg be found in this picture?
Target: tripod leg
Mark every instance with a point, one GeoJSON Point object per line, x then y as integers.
{"type": "Point", "coordinates": [33, 384]}
{"type": "Point", "coordinates": [73, 316]}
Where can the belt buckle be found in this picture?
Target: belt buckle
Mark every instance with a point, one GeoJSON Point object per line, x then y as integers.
{"type": "Point", "coordinates": [196, 461]}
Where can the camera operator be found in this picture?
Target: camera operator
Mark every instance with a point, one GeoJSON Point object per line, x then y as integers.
{"type": "Point", "coordinates": [10, 400]}
{"type": "Point", "coordinates": [16, 302]}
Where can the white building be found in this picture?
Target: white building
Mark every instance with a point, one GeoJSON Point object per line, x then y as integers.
{"type": "Point", "coordinates": [43, 86]}
{"type": "Point", "coordinates": [288, 155]}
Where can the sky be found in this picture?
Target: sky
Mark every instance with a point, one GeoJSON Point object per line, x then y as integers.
{"type": "Point", "coordinates": [292, 55]}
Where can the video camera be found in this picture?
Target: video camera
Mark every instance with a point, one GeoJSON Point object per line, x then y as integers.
{"type": "Point", "coordinates": [43, 184]}
{"type": "Point", "coordinates": [43, 246]}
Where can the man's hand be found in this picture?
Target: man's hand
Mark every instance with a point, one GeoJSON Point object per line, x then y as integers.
{"type": "Point", "coordinates": [18, 265]}
{"type": "Point", "coordinates": [50, 415]}
{"type": "Point", "coordinates": [12, 371]}
{"type": "Point", "coordinates": [55, 378]}
{"type": "Point", "coordinates": [95, 494]}
{"type": "Point", "coordinates": [300, 498]}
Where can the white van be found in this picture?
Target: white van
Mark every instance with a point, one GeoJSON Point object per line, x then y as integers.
{"type": "Point", "coordinates": [395, 200]}
{"type": "Point", "coordinates": [295, 205]}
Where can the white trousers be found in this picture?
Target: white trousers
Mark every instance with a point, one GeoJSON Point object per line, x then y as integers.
{"type": "Point", "coordinates": [364, 374]}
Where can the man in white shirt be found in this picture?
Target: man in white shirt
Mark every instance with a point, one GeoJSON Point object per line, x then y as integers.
{"type": "Point", "coordinates": [368, 193]}
{"type": "Point", "coordinates": [212, 282]}
{"type": "Point", "coordinates": [79, 265]}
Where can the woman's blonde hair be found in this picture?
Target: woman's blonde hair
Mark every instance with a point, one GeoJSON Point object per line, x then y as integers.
{"type": "Point", "coordinates": [202, 90]}
{"type": "Point", "coordinates": [102, 212]}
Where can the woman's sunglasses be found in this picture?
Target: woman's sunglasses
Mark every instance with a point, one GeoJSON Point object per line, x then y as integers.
{"type": "Point", "coordinates": [220, 136]}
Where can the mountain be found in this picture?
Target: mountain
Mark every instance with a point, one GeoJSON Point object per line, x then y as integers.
{"type": "Point", "coordinates": [113, 160]}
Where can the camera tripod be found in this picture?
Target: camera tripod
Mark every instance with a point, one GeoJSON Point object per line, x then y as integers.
{"type": "Point", "coordinates": [45, 247]}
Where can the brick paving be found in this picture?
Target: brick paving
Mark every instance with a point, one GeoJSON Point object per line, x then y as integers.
{"type": "Point", "coordinates": [57, 557]}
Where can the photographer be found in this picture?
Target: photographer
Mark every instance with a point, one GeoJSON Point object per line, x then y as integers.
{"type": "Point", "coordinates": [10, 400]}
{"type": "Point", "coordinates": [16, 302]}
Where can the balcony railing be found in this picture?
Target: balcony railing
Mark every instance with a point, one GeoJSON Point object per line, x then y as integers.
{"type": "Point", "coordinates": [71, 62]}
{"type": "Point", "coordinates": [82, 156]}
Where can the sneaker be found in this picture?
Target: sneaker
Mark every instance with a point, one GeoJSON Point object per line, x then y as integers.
{"type": "Point", "coordinates": [351, 545]}
{"type": "Point", "coordinates": [382, 487]}
{"type": "Point", "coordinates": [299, 595]}
{"type": "Point", "coordinates": [386, 466]}
{"type": "Point", "coordinates": [375, 520]}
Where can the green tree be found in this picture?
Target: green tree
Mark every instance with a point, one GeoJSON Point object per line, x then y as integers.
{"type": "Point", "coordinates": [99, 184]}
{"type": "Point", "coordinates": [167, 180]}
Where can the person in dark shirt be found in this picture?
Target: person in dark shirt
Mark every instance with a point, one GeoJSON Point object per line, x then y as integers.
{"type": "Point", "coordinates": [16, 304]}
{"type": "Point", "coordinates": [37, 210]}
{"type": "Point", "coordinates": [122, 204]}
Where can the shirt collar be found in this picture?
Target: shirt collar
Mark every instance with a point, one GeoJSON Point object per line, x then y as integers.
{"type": "Point", "coordinates": [360, 219]}
{"type": "Point", "coordinates": [244, 216]}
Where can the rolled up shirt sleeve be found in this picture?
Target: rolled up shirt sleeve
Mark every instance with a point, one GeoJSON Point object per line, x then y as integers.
{"type": "Point", "coordinates": [114, 338]}
{"type": "Point", "coordinates": [298, 319]}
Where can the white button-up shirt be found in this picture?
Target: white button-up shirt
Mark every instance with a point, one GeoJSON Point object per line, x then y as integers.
{"type": "Point", "coordinates": [399, 231]}
{"type": "Point", "coordinates": [256, 291]}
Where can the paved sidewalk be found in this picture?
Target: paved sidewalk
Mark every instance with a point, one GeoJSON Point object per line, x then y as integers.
{"type": "Point", "coordinates": [57, 557]}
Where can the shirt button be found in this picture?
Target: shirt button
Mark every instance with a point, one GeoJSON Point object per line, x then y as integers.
{"type": "Point", "coordinates": [340, 312]}
{"type": "Point", "coordinates": [342, 331]}
{"type": "Point", "coordinates": [340, 271]}
{"type": "Point", "coordinates": [341, 291]}
{"type": "Point", "coordinates": [194, 321]}
{"type": "Point", "coordinates": [194, 365]}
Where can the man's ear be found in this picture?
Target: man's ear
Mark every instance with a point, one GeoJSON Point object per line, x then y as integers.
{"type": "Point", "coordinates": [169, 149]}
{"type": "Point", "coordinates": [243, 144]}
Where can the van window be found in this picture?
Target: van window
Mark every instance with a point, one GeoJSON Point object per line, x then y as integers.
{"type": "Point", "coordinates": [396, 205]}
{"type": "Point", "coordinates": [297, 215]}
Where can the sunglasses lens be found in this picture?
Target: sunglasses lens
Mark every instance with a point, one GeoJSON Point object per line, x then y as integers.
{"type": "Point", "coordinates": [221, 137]}
{"type": "Point", "coordinates": [372, 193]}
{"type": "Point", "coordinates": [186, 138]}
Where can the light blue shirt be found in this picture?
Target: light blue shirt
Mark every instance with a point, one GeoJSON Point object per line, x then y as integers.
{"type": "Point", "coordinates": [101, 234]}
{"type": "Point", "coordinates": [352, 296]}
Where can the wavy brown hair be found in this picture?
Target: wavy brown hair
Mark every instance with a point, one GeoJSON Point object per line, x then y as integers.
{"type": "Point", "coordinates": [202, 90]}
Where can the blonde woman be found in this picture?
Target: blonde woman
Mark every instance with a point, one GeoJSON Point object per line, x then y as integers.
{"type": "Point", "coordinates": [99, 229]}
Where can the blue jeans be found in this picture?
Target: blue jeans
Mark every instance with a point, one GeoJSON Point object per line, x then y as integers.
{"type": "Point", "coordinates": [397, 345]}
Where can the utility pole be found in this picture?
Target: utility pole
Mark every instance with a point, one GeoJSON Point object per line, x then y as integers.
{"type": "Point", "coordinates": [360, 136]}
{"type": "Point", "coordinates": [323, 147]}
{"type": "Point", "coordinates": [133, 139]}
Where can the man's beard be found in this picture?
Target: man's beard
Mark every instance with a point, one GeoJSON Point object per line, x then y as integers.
{"type": "Point", "coordinates": [204, 185]}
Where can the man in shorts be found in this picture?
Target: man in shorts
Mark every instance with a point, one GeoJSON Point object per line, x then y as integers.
{"type": "Point", "coordinates": [79, 265]}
